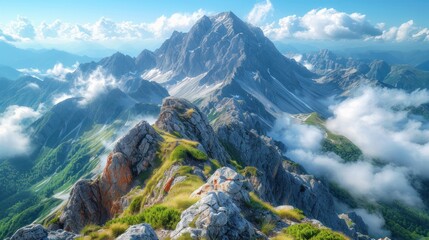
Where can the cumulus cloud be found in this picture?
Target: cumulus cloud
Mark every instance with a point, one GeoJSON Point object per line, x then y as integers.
{"type": "Point", "coordinates": [325, 23]}
{"type": "Point", "coordinates": [405, 32]}
{"type": "Point", "coordinates": [59, 71]}
{"type": "Point", "coordinates": [298, 59]}
{"type": "Point", "coordinates": [361, 178]}
{"type": "Point", "coordinates": [104, 29]}
{"type": "Point", "coordinates": [14, 140]}
{"type": "Point", "coordinates": [259, 12]}
{"type": "Point", "coordinates": [92, 86]}
{"type": "Point", "coordinates": [61, 97]}
{"type": "Point", "coordinates": [21, 28]}
{"type": "Point", "coordinates": [163, 25]}
{"type": "Point", "coordinates": [378, 122]}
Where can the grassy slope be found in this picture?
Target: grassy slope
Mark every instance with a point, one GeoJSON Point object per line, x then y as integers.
{"type": "Point", "coordinates": [32, 195]}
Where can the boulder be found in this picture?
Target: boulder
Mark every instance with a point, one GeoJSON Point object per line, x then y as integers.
{"type": "Point", "coordinates": [31, 232]}
{"type": "Point", "coordinates": [84, 207]}
{"type": "Point", "coordinates": [228, 181]}
{"type": "Point", "coordinates": [38, 232]}
{"type": "Point", "coordinates": [215, 216]}
{"type": "Point", "coordinates": [139, 232]}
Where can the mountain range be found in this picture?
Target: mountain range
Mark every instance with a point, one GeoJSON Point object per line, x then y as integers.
{"type": "Point", "coordinates": [178, 139]}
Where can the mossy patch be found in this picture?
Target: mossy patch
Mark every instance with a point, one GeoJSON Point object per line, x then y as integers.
{"type": "Point", "coordinates": [291, 214]}
{"type": "Point", "coordinates": [308, 231]}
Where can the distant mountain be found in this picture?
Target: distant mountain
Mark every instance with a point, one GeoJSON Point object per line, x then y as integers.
{"type": "Point", "coordinates": [9, 73]}
{"type": "Point", "coordinates": [349, 73]}
{"type": "Point", "coordinates": [30, 91]}
{"type": "Point", "coordinates": [40, 59]}
{"type": "Point", "coordinates": [222, 57]}
{"type": "Point", "coordinates": [412, 58]}
{"type": "Point", "coordinates": [423, 66]}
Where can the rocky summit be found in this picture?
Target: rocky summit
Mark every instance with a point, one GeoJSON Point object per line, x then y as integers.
{"type": "Point", "coordinates": [225, 205]}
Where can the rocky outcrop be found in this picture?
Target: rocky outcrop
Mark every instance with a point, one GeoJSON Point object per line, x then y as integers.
{"type": "Point", "coordinates": [95, 201]}
{"type": "Point", "coordinates": [38, 232]}
{"type": "Point", "coordinates": [215, 216]}
{"type": "Point", "coordinates": [179, 116]}
{"type": "Point", "coordinates": [84, 207]}
{"type": "Point", "coordinates": [132, 154]}
{"type": "Point", "coordinates": [273, 183]}
{"type": "Point", "coordinates": [356, 224]}
{"type": "Point", "coordinates": [139, 232]}
{"type": "Point", "coordinates": [229, 182]}
{"type": "Point", "coordinates": [219, 213]}
{"type": "Point", "coordinates": [30, 232]}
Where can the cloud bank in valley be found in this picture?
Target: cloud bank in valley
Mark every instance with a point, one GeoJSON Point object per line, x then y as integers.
{"type": "Point", "coordinates": [378, 121]}
{"type": "Point", "coordinates": [14, 137]}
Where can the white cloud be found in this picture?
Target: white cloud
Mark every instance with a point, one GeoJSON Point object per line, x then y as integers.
{"type": "Point", "coordinates": [375, 223]}
{"type": "Point", "coordinates": [14, 139]}
{"type": "Point", "coordinates": [405, 32]}
{"type": "Point", "coordinates": [103, 30]}
{"type": "Point", "coordinates": [378, 122]}
{"type": "Point", "coordinates": [94, 85]}
{"type": "Point", "coordinates": [59, 71]}
{"type": "Point", "coordinates": [163, 25]}
{"type": "Point", "coordinates": [322, 24]}
{"type": "Point", "coordinates": [298, 59]}
{"type": "Point", "coordinates": [259, 12]}
{"type": "Point", "coordinates": [383, 129]}
{"type": "Point", "coordinates": [61, 97]}
{"type": "Point", "coordinates": [21, 28]}
{"type": "Point", "coordinates": [361, 178]}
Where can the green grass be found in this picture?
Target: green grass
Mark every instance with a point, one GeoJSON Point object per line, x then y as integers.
{"type": "Point", "coordinates": [89, 229]}
{"type": "Point", "coordinates": [291, 214]}
{"type": "Point", "coordinates": [159, 217]}
{"type": "Point", "coordinates": [236, 164]}
{"type": "Point", "coordinates": [337, 144]}
{"type": "Point", "coordinates": [215, 163]}
{"type": "Point", "coordinates": [267, 227]}
{"type": "Point", "coordinates": [118, 228]}
{"type": "Point", "coordinates": [307, 231]}
{"type": "Point", "coordinates": [185, 236]}
{"type": "Point", "coordinates": [135, 205]}
{"type": "Point", "coordinates": [249, 171]}
{"type": "Point", "coordinates": [184, 151]}
{"type": "Point", "coordinates": [179, 196]}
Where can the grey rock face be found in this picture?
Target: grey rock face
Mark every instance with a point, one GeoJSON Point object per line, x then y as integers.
{"type": "Point", "coordinates": [215, 216]}
{"type": "Point", "coordinates": [61, 235]}
{"type": "Point", "coordinates": [95, 201]}
{"type": "Point", "coordinates": [357, 224]}
{"type": "Point", "coordinates": [31, 232]}
{"type": "Point", "coordinates": [274, 183]}
{"type": "Point", "coordinates": [38, 232]}
{"type": "Point", "coordinates": [84, 207]}
{"type": "Point", "coordinates": [139, 232]}
{"type": "Point", "coordinates": [379, 70]}
{"type": "Point", "coordinates": [180, 116]}
{"type": "Point", "coordinates": [139, 146]}
{"type": "Point", "coordinates": [228, 181]}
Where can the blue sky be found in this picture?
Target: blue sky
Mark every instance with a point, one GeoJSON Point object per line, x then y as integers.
{"type": "Point", "coordinates": [81, 11]}
{"type": "Point", "coordinates": [129, 25]}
